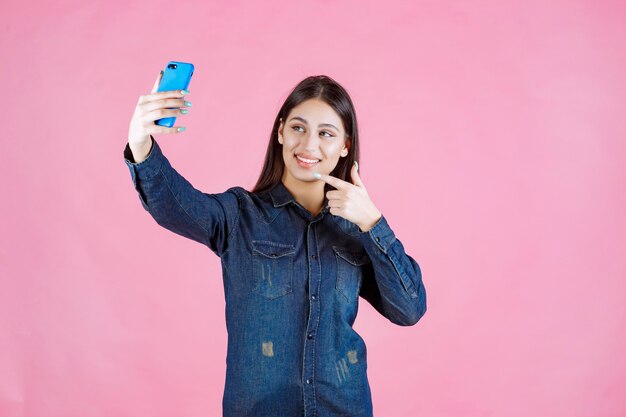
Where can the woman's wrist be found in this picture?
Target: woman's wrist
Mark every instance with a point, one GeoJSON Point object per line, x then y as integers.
{"type": "Point", "coordinates": [141, 151]}
{"type": "Point", "coordinates": [366, 226]}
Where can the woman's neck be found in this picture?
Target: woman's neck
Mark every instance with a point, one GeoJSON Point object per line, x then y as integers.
{"type": "Point", "coordinates": [309, 194]}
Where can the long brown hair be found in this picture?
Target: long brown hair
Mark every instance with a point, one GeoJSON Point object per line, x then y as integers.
{"type": "Point", "coordinates": [328, 90]}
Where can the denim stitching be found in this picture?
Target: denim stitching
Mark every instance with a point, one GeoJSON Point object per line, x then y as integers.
{"type": "Point", "coordinates": [180, 205]}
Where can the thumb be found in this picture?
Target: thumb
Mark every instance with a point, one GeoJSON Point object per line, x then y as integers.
{"type": "Point", "coordinates": [155, 87]}
{"type": "Point", "coordinates": [356, 179]}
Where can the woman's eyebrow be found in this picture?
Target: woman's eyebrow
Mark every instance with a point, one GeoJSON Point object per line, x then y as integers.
{"type": "Point", "coordinates": [306, 123]}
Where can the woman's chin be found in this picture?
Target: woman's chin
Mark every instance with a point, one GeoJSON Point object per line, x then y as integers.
{"type": "Point", "coordinates": [306, 176]}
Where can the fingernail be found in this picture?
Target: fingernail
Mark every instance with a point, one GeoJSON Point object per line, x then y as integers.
{"type": "Point", "coordinates": [181, 129]}
{"type": "Point", "coordinates": [188, 103]}
{"type": "Point", "coordinates": [317, 175]}
{"type": "Point", "coordinates": [357, 165]}
{"type": "Point", "coordinates": [184, 111]}
{"type": "Point", "coordinates": [184, 92]}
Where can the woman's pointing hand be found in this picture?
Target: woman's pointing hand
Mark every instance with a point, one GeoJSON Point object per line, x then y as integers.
{"type": "Point", "coordinates": [351, 200]}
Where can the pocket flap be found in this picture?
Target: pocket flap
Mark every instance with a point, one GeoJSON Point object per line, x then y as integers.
{"type": "Point", "coordinates": [353, 257]}
{"type": "Point", "coordinates": [272, 249]}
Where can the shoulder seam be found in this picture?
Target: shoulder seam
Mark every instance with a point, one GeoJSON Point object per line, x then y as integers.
{"type": "Point", "coordinates": [235, 190]}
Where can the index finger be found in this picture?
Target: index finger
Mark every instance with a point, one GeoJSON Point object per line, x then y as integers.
{"type": "Point", "coordinates": [148, 98]}
{"type": "Point", "coordinates": [334, 181]}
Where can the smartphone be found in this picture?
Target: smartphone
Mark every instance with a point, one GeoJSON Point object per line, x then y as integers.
{"type": "Point", "coordinates": [176, 76]}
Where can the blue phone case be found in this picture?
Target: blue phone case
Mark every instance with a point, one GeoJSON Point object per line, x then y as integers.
{"type": "Point", "coordinates": [176, 76]}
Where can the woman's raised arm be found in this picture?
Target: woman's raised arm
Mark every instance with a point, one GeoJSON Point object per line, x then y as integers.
{"type": "Point", "coordinates": [169, 198]}
{"type": "Point", "coordinates": [179, 207]}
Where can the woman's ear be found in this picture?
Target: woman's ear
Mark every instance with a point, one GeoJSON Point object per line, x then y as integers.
{"type": "Point", "coordinates": [280, 131]}
{"type": "Point", "coordinates": [346, 148]}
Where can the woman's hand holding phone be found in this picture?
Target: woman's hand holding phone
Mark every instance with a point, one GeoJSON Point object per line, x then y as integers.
{"type": "Point", "coordinates": [151, 107]}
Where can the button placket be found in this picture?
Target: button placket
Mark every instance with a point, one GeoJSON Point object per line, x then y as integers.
{"type": "Point", "coordinates": [313, 321]}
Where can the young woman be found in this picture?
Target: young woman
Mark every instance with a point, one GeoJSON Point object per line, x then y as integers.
{"type": "Point", "coordinates": [297, 252]}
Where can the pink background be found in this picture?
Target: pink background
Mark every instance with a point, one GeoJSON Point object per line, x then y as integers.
{"type": "Point", "coordinates": [493, 139]}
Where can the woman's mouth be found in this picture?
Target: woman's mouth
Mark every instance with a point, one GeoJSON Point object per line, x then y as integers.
{"type": "Point", "coordinates": [306, 163]}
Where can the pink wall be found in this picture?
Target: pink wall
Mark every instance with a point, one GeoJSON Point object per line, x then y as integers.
{"type": "Point", "coordinates": [493, 138]}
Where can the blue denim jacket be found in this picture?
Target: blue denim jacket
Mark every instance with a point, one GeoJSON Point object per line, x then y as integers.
{"type": "Point", "coordinates": [292, 283]}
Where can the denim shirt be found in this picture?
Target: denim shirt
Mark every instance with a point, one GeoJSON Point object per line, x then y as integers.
{"type": "Point", "coordinates": [292, 283]}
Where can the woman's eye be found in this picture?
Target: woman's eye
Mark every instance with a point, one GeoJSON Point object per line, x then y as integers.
{"type": "Point", "coordinates": [300, 127]}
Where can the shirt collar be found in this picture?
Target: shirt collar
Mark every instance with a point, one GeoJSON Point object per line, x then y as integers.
{"type": "Point", "coordinates": [281, 196]}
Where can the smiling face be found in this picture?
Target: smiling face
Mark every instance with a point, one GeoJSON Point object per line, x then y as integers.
{"type": "Point", "coordinates": [313, 139]}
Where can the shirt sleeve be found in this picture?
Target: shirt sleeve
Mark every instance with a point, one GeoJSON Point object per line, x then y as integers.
{"type": "Point", "coordinates": [176, 205]}
{"type": "Point", "coordinates": [392, 284]}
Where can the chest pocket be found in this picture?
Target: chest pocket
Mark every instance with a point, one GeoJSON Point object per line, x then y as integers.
{"type": "Point", "coordinates": [349, 272]}
{"type": "Point", "coordinates": [272, 264]}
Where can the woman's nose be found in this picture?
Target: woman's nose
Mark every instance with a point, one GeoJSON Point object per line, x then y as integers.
{"type": "Point", "coordinates": [311, 141]}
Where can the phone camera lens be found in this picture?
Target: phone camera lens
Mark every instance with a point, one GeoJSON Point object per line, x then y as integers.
{"type": "Point", "coordinates": [172, 66]}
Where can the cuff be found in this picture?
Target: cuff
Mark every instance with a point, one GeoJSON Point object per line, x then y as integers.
{"type": "Point", "coordinates": [149, 167]}
{"type": "Point", "coordinates": [380, 234]}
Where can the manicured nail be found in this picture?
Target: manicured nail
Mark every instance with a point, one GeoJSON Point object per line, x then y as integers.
{"type": "Point", "coordinates": [181, 129]}
{"type": "Point", "coordinates": [184, 111]}
{"type": "Point", "coordinates": [188, 103]}
{"type": "Point", "coordinates": [357, 165]}
{"type": "Point", "coordinates": [184, 92]}
{"type": "Point", "coordinates": [317, 175]}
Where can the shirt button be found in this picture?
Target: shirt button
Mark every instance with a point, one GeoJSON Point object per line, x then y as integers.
{"type": "Point", "coordinates": [314, 256]}
{"type": "Point", "coordinates": [310, 335]}
{"type": "Point", "coordinates": [313, 297]}
{"type": "Point", "coordinates": [308, 381]}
